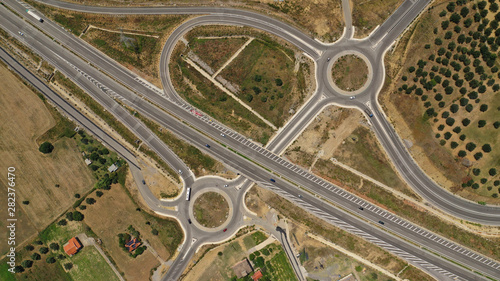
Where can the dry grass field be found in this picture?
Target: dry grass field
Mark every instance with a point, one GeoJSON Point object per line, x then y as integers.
{"type": "Point", "coordinates": [366, 15]}
{"type": "Point", "coordinates": [349, 73]}
{"type": "Point", "coordinates": [215, 52]}
{"type": "Point", "coordinates": [111, 215]}
{"type": "Point", "coordinates": [24, 118]}
{"type": "Point", "coordinates": [211, 209]}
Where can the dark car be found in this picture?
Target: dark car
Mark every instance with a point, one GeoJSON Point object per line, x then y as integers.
{"type": "Point", "coordinates": [272, 180]}
{"type": "Point", "coordinates": [225, 229]}
{"type": "Point", "coordinates": [143, 182]}
{"type": "Point", "coordinates": [361, 208]}
{"type": "Point", "coordinates": [381, 222]}
{"type": "Point", "coordinates": [189, 220]}
{"type": "Point", "coordinates": [207, 145]}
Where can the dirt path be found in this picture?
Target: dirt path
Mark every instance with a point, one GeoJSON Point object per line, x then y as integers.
{"type": "Point", "coordinates": [233, 57]}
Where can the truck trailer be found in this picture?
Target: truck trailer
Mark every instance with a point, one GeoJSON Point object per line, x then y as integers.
{"type": "Point", "coordinates": [38, 18]}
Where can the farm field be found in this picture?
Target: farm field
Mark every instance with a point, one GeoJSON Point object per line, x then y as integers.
{"type": "Point", "coordinates": [446, 100]}
{"type": "Point", "coordinates": [47, 180]}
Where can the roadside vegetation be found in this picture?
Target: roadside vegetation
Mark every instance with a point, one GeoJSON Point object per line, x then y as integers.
{"type": "Point", "coordinates": [447, 99]}
{"type": "Point", "coordinates": [366, 15]}
{"type": "Point", "coordinates": [216, 51]}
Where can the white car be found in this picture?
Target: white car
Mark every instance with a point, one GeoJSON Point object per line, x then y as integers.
{"type": "Point", "coordinates": [20, 33]}
{"type": "Point", "coordinates": [222, 135]}
{"type": "Point", "coordinates": [352, 97]}
{"type": "Point", "coordinates": [180, 172]}
{"type": "Point", "coordinates": [226, 185]}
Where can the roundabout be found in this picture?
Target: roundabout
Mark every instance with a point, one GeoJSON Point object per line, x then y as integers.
{"type": "Point", "coordinates": [211, 209]}
{"type": "Point", "coordinates": [349, 73]}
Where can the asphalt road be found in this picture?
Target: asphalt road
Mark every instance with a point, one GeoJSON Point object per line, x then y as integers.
{"type": "Point", "coordinates": [234, 140]}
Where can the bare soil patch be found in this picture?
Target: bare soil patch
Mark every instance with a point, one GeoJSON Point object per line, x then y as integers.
{"type": "Point", "coordinates": [211, 209]}
{"type": "Point", "coordinates": [366, 15]}
{"type": "Point", "coordinates": [349, 72]}
{"type": "Point", "coordinates": [161, 185]}
{"type": "Point", "coordinates": [24, 118]}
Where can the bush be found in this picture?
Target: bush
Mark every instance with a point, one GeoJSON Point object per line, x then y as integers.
{"type": "Point", "coordinates": [447, 135]}
{"type": "Point", "coordinates": [462, 137]}
{"type": "Point", "coordinates": [36, 257]}
{"type": "Point", "coordinates": [481, 123]}
{"type": "Point", "coordinates": [278, 82]}
{"type": "Point", "coordinates": [465, 122]}
{"type": "Point", "coordinates": [68, 266]}
{"type": "Point", "coordinates": [462, 153]}
{"type": "Point", "coordinates": [27, 263]}
{"type": "Point", "coordinates": [90, 200]}
{"type": "Point", "coordinates": [46, 147]}
{"type": "Point", "coordinates": [453, 145]}
{"type": "Point", "coordinates": [154, 231]}
{"type": "Point", "coordinates": [29, 248]}
{"type": "Point", "coordinates": [478, 156]}
{"type": "Point", "coordinates": [492, 172]}
{"type": "Point", "coordinates": [457, 130]}
{"type": "Point", "coordinates": [77, 216]}
{"type": "Point", "coordinates": [18, 269]}
{"type": "Point", "coordinates": [98, 193]}
{"type": "Point", "coordinates": [450, 121]}
{"type": "Point", "coordinates": [219, 254]}
{"type": "Point", "coordinates": [454, 108]}
{"type": "Point", "coordinates": [26, 202]}
{"type": "Point", "coordinates": [496, 124]}
{"type": "Point", "coordinates": [469, 107]}
{"type": "Point", "coordinates": [50, 260]}
{"type": "Point", "coordinates": [476, 171]}
{"type": "Point", "coordinates": [54, 246]}
{"type": "Point", "coordinates": [486, 148]}
{"type": "Point", "coordinates": [483, 107]}
{"type": "Point", "coordinates": [44, 250]}
{"type": "Point", "coordinates": [475, 186]}
{"type": "Point", "coordinates": [470, 146]}
{"type": "Point", "coordinates": [256, 90]}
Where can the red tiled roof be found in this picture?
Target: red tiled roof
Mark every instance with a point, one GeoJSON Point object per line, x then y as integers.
{"type": "Point", "coordinates": [257, 275]}
{"type": "Point", "coordinates": [72, 246]}
{"type": "Point", "coordinates": [132, 244]}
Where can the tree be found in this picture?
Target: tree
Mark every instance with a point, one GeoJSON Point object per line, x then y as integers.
{"type": "Point", "coordinates": [68, 266]}
{"type": "Point", "coordinates": [464, 12]}
{"type": "Point", "coordinates": [90, 200]}
{"type": "Point", "coordinates": [469, 107]}
{"type": "Point", "coordinates": [481, 123]}
{"type": "Point", "coordinates": [54, 246]}
{"type": "Point", "coordinates": [478, 156]}
{"type": "Point", "coordinates": [18, 269]}
{"type": "Point", "coordinates": [278, 82]}
{"type": "Point", "coordinates": [451, 7]}
{"type": "Point", "coordinates": [454, 108]}
{"type": "Point", "coordinates": [462, 153]}
{"type": "Point", "coordinates": [438, 41]}
{"type": "Point", "coordinates": [470, 146]}
{"type": "Point", "coordinates": [481, 5]}
{"type": "Point", "coordinates": [472, 95]}
{"type": "Point", "coordinates": [486, 148]}
{"type": "Point", "coordinates": [44, 250]}
{"type": "Point", "coordinates": [46, 147]}
{"type": "Point", "coordinates": [98, 193]}
{"type": "Point", "coordinates": [492, 172]}
{"type": "Point", "coordinates": [457, 130]}
{"type": "Point", "coordinates": [453, 145]}
{"type": "Point", "coordinates": [462, 137]}
{"type": "Point", "coordinates": [493, 7]}
{"type": "Point", "coordinates": [483, 107]}
{"type": "Point", "coordinates": [447, 135]}
{"type": "Point", "coordinates": [450, 121]}
{"type": "Point", "coordinates": [476, 171]}
{"type": "Point", "coordinates": [256, 90]}
{"type": "Point", "coordinates": [411, 69]}
{"type": "Point", "coordinates": [50, 260]}
{"type": "Point", "coordinates": [29, 248]}
{"type": "Point", "coordinates": [249, 97]}
{"type": "Point", "coordinates": [464, 101]}
{"type": "Point", "coordinates": [27, 263]}
{"type": "Point", "coordinates": [36, 256]}
{"type": "Point", "coordinates": [496, 124]}
{"type": "Point", "coordinates": [77, 216]}
{"type": "Point", "coordinates": [465, 122]}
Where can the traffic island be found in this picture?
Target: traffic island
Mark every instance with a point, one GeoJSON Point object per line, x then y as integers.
{"type": "Point", "coordinates": [211, 209]}
{"type": "Point", "coordinates": [349, 73]}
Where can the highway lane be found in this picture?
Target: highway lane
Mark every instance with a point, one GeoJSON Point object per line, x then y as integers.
{"type": "Point", "coordinates": [392, 27]}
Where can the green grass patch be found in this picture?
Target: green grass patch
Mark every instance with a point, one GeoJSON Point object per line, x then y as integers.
{"type": "Point", "coordinates": [88, 264]}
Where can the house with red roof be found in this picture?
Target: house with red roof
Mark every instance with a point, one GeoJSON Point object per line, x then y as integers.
{"type": "Point", "coordinates": [72, 246]}
{"type": "Point", "coordinates": [257, 275]}
{"type": "Point", "coordinates": [132, 244]}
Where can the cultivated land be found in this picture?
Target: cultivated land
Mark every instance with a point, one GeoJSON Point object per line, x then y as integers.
{"type": "Point", "coordinates": [267, 75]}
{"type": "Point", "coordinates": [366, 15]}
{"type": "Point", "coordinates": [349, 72]}
{"type": "Point", "coordinates": [25, 118]}
{"type": "Point", "coordinates": [121, 212]}
{"type": "Point", "coordinates": [323, 18]}
{"type": "Point", "coordinates": [211, 209]}
{"type": "Point", "coordinates": [446, 100]}
{"type": "Point", "coordinates": [259, 199]}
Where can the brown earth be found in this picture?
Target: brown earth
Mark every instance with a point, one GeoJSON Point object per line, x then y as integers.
{"type": "Point", "coordinates": [111, 215]}
{"type": "Point", "coordinates": [25, 117]}
{"type": "Point", "coordinates": [161, 185]}
{"type": "Point", "coordinates": [367, 14]}
{"type": "Point", "coordinates": [211, 209]}
{"type": "Point", "coordinates": [349, 72]}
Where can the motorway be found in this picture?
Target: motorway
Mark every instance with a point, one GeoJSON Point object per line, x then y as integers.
{"type": "Point", "coordinates": [104, 88]}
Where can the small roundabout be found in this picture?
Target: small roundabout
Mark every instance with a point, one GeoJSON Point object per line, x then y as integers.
{"type": "Point", "coordinates": [211, 209]}
{"type": "Point", "coordinates": [349, 73]}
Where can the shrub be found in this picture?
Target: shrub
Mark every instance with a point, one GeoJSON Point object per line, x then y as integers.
{"type": "Point", "coordinates": [492, 172]}
{"type": "Point", "coordinates": [494, 195]}
{"type": "Point", "coordinates": [462, 153]}
{"type": "Point", "coordinates": [496, 124]}
{"type": "Point", "coordinates": [450, 121]}
{"type": "Point", "coordinates": [438, 41]}
{"type": "Point", "coordinates": [457, 129]}
{"type": "Point", "coordinates": [278, 82]}
{"type": "Point", "coordinates": [441, 127]}
{"type": "Point", "coordinates": [29, 247]}
{"type": "Point", "coordinates": [90, 200]}
{"type": "Point", "coordinates": [27, 263]}
{"type": "Point", "coordinates": [68, 266]}
{"type": "Point", "coordinates": [486, 148]}
{"type": "Point", "coordinates": [447, 135]}
{"type": "Point", "coordinates": [462, 137]}
{"type": "Point", "coordinates": [475, 186]}
{"type": "Point", "coordinates": [464, 101]}
{"type": "Point", "coordinates": [44, 250]}
{"type": "Point", "coordinates": [469, 107]}
{"type": "Point", "coordinates": [454, 108]}
{"type": "Point", "coordinates": [256, 90]}
{"type": "Point", "coordinates": [50, 260]}
{"type": "Point", "coordinates": [26, 202]}
{"type": "Point", "coordinates": [77, 216]}
{"type": "Point", "coordinates": [46, 147]}
{"type": "Point", "coordinates": [476, 171]}
{"type": "Point", "coordinates": [442, 142]}
{"type": "Point", "coordinates": [99, 193]}
{"type": "Point", "coordinates": [481, 123]}
{"type": "Point", "coordinates": [54, 246]}
{"type": "Point", "coordinates": [470, 146]}
{"type": "Point", "coordinates": [478, 156]}
{"type": "Point", "coordinates": [154, 231]}
{"type": "Point", "coordinates": [483, 181]}
{"type": "Point", "coordinates": [483, 107]}
{"type": "Point", "coordinates": [453, 144]}
{"type": "Point", "coordinates": [36, 257]}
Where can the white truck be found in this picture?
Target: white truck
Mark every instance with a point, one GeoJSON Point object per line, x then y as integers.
{"type": "Point", "coordinates": [37, 17]}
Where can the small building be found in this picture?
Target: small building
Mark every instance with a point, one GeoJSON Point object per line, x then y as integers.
{"type": "Point", "coordinates": [257, 275]}
{"type": "Point", "coordinates": [133, 244]}
{"type": "Point", "coordinates": [242, 269]}
{"type": "Point", "coordinates": [88, 161]}
{"type": "Point", "coordinates": [72, 246]}
{"type": "Point", "coordinates": [112, 168]}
